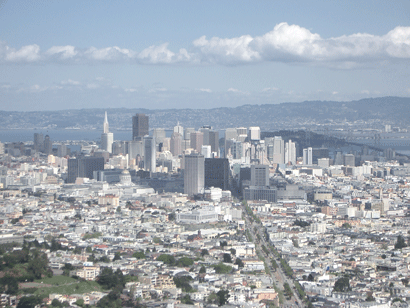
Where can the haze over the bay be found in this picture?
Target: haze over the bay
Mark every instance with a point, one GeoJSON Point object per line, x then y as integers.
{"type": "Point", "coordinates": [192, 54]}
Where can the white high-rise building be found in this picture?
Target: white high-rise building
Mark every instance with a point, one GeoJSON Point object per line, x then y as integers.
{"type": "Point", "coordinates": [107, 138]}
{"type": "Point", "coordinates": [159, 135]}
{"type": "Point", "coordinates": [179, 129]}
{"type": "Point", "coordinates": [150, 160]}
{"type": "Point", "coordinates": [290, 152]}
{"type": "Point", "coordinates": [206, 151]}
{"type": "Point", "coordinates": [307, 156]}
{"type": "Point", "coordinates": [194, 174]}
{"type": "Point", "coordinates": [254, 133]}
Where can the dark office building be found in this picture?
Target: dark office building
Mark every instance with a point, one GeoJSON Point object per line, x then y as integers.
{"type": "Point", "coordinates": [214, 141]}
{"type": "Point", "coordinates": [83, 167]}
{"type": "Point", "coordinates": [217, 173]}
{"type": "Point", "coordinates": [38, 142]}
{"type": "Point", "coordinates": [48, 145]}
{"type": "Point", "coordinates": [319, 153]}
{"type": "Point", "coordinates": [140, 126]}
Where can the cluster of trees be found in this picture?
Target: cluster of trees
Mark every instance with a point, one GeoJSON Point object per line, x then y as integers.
{"type": "Point", "coordinates": [400, 243]}
{"type": "Point", "coordinates": [139, 255]}
{"type": "Point", "coordinates": [33, 264]}
{"type": "Point", "coordinates": [342, 285]}
{"type": "Point", "coordinates": [170, 260]}
{"type": "Point", "coordinates": [183, 283]}
{"type": "Point", "coordinates": [103, 259]}
{"type": "Point", "coordinates": [115, 281]}
{"type": "Point", "coordinates": [221, 268]}
{"type": "Point", "coordinates": [287, 290]}
{"type": "Point", "coordinates": [301, 223]}
{"type": "Point", "coordinates": [220, 298]}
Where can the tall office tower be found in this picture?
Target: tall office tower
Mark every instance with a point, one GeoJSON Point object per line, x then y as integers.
{"type": "Point", "coordinates": [275, 148]}
{"type": "Point", "coordinates": [179, 129]}
{"type": "Point", "coordinates": [61, 150]}
{"type": "Point", "coordinates": [242, 131]}
{"type": "Point", "coordinates": [186, 144]}
{"type": "Point", "coordinates": [214, 140]}
{"type": "Point", "coordinates": [307, 156]}
{"type": "Point", "coordinates": [217, 173]}
{"type": "Point", "coordinates": [120, 147]}
{"type": "Point", "coordinates": [259, 175]}
{"type": "Point", "coordinates": [206, 151]}
{"type": "Point", "coordinates": [107, 138]}
{"type": "Point", "coordinates": [83, 167]}
{"type": "Point", "coordinates": [150, 159]}
{"type": "Point", "coordinates": [290, 152]}
{"type": "Point", "coordinates": [205, 130]}
{"type": "Point", "coordinates": [197, 140]}
{"type": "Point", "coordinates": [48, 145]}
{"type": "Point", "coordinates": [159, 135]}
{"type": "Point", "coordinates": [38, 142]}
{"type": "Point", "coordinates": [338, 158]}
{"type": "Point", "coordinates": [254, 133]}
{"type": "Point", "coordinates": [236, 149]}
{"type": "Point", "coordinates": [140, 126]}
{"type": "Point", "coordinates": [194, 175]}
{"type": "Point", "coordinates": [176, 144]}
{"type": "Point", "coordinates": [231, 133]}
{"type": "Point", "coordinates": [187, 133]}
{"type": "Point", "coordinates": [1, 148]}
{"type": "Point", "coordinates": [135, 149]}
{"type": "Point", "coordinates": [349, 160]}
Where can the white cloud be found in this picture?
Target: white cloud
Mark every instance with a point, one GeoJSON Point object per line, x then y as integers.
{"type": "Point", "coordinates": [62, 52]}
{"type": "Point", "coordinates": [29, 53]}
{"type": "Point", "coordinates": [70, 82]}
{"type": "Point", "coordinates": [226, 51]}
{"type": "Point", "coordinates": [271, 89]}
{"type": "Point", "coordinates": [205, 90]}
{"type": "Point", "coordinates": [238, 91]}
{"type": "Point", "coordinates": [285, 43]}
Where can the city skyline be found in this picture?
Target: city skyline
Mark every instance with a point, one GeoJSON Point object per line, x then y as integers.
{"type": "Point", "coordinates": [185, 54]}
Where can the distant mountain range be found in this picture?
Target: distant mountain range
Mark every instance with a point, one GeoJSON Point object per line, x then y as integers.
{"type": "Point", "coordinates": [383, 110]}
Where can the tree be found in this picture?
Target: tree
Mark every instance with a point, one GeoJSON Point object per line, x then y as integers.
{"type": "Point", "coordinates": [233, 251]}
{"type": "Point", "coordinates": [171, 216]}
{"type": "Point", "coordinates": [202, 270]}
{"type": "Point", "coordinates": [227, 258]}
{"type": "Point", "coordinates": [117, 256]}
{"type": "Point", "coordinates": [401, 243]}
{"type": "Point", "coordinates": [139, 255]}
{"type": "Point", "coordinates": [109, 279]}
{"type": "Point", "coordinates": [167, 259]}
{"type": "Point", "coordinates": [288, 290]}
{"type": "Point", "coordinates": [184, 262]}
{"type": "Point", "coordinates": [11, 283]}
{"type": "Point", "coordinates": [204, 252]}
{"type": "Point", "coordinates": [342, 285]}
{"type": "Point", "coordinates": [187, 300]}
{"type": "Point", "coordinates": [223, 296]}
{"type": "Point", "coordinates": [223, 243]}
{"type": "Point", "coordinates": [183, 283]}
{"type": "Point", "coordinates": [239, 262]}
{"type": "Point", "coordinates": [56, 303]}
{"type": "Point", "coordinates": [29, 302]}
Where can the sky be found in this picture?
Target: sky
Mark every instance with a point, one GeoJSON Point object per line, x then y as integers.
{"type": "Point", "coordinates": [200, 54]}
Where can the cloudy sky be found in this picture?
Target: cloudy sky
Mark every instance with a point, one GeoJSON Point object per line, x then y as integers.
{"type": "Point", "coordinates": [200, 54]}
